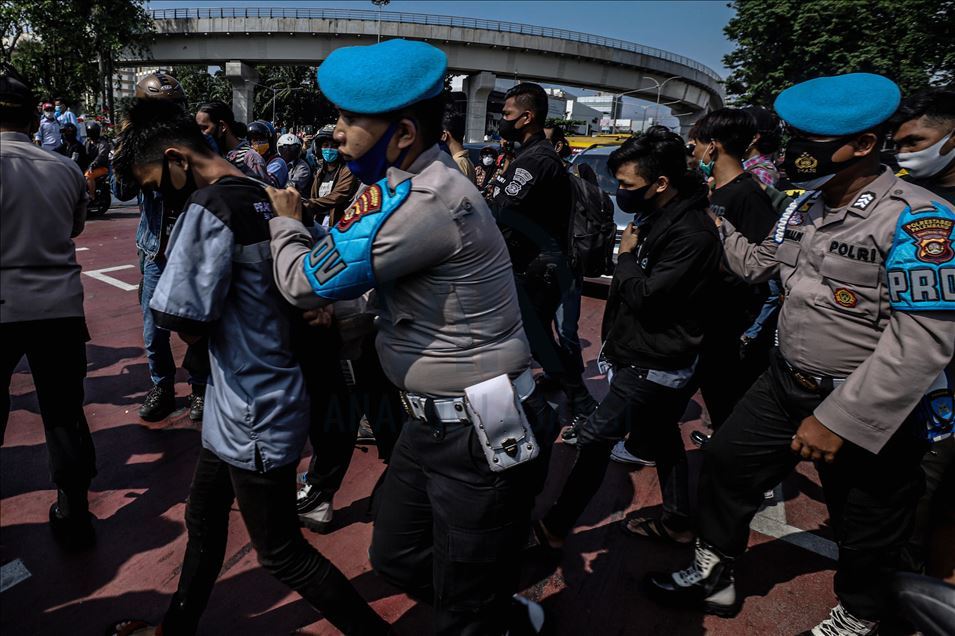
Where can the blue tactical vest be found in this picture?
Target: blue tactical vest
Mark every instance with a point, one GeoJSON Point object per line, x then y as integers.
{"type": "Point", "coordinates": [339, 267]}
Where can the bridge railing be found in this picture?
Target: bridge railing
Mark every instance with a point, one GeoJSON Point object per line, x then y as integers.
{"type": "Point", "coordinates": [433, 20]}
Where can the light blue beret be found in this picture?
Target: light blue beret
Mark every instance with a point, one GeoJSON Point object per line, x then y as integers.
{"type": "Point", "coordinates": [382, 77]}
{"type": "Point", "coordinates": [839, 105]}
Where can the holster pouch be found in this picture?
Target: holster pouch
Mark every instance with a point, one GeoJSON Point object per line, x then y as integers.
{"type": "Point", "coordinates": [500, 423]}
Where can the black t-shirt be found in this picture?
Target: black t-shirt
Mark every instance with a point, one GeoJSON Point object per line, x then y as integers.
{"type": "Point", "coordinates": [946, 192]}
{"type": "Point", "coordinates": [747, 206]}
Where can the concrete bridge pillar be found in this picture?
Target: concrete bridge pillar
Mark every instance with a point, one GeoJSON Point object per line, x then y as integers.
{"type": "Point", "coordinates": [687, 120]}
{"type": "Point", "coordinates": [478, 88]}
{"type": "Point", "coordinates": [243, 78]}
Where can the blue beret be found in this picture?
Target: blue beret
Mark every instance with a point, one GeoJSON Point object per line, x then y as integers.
{"type": "Point", "coordinates": [839, 105]}
{"type": "Point", "coordinates": [382, 77]}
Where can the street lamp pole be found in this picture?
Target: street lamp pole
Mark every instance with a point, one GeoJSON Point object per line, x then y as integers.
{"type": "Point", "coordinates": [616, 96]}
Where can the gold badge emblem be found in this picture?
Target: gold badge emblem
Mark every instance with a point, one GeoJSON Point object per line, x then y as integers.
{"type": "Point", "coordinates": [933, 238]}
{"type": "Point", "coordinates": [845, 297]}
{"type": "Point", "coordinates": [806, 163]}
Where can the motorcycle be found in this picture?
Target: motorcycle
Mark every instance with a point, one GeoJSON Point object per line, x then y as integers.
{"type": "Point", "coordinates": [102, 198]}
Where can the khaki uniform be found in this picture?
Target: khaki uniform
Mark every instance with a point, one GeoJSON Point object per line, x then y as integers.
{"type": "Point", "coordinates": [836, 319]}
{"type": "Point", "coordinates": [449, 316]}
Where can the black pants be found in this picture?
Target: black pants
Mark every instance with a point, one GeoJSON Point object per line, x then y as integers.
{"type": "Point", "coordinates": [539, 291]}
{"type": "Point", "coordinates": [651, 412]}
{"type": "Point", "coordinates": [56, 351]}
{"type": "Point", "coordinates": [725, 372]}
{"type": "Point", "coordinates": [336, 412]}
{"type": "Point", "coordinates": [450, 531]}
{"type": "Point", "coordinates": [267, 504]}
{"type": "Point", "coordinates": [936, 506]}
{"type": "Point", "coordinates": [871, 498]}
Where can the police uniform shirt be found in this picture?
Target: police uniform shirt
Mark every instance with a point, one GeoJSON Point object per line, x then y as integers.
{"type": "Point", "coordinates": [532, 202]}
{"type": "Point", "coordinates": [449, 312]}
{"type": "Point", "coordinates": [218, 282]}
{"type": "Point", "coordinates": [869, 292]}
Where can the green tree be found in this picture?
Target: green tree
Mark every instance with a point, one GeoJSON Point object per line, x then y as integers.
{"type": "Point", "coordinates": [297, 100]}
{"type": "Point", "coordinates": [67, 48]}
{"type": "Point", "coordinates": [200, 86]}
{"type": "Point", "coordinates": [569, 126]}
{"type": "Point", "coordinates": [783, 42]}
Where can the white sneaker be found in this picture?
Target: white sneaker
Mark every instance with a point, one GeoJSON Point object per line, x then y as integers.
{"type": "Point", "coordinates": [621, 455]}
{"type": "Point", "coordinates": [314, 510]}
{"type": "Point", "coordinates": [842, 623]}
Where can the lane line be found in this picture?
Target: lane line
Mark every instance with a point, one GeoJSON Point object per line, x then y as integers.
{"type": "Point", "coordinates": [772, 522]}
{"type": "Point", "coordinates": [12, 573]}
{"type": "Point", "coordinates": [100, 274]}
{"type": "Point", "coordinates": [82, 249]}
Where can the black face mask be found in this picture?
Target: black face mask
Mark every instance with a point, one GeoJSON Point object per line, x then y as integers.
{"type": "Point", "coordinates": [509, 130]}
{"type": "Point", "coordinates": [174, 200]}
{"type": "Point", "coordinates": [633, 201]}
{"type": "Point", "coordinates": [809, 164]}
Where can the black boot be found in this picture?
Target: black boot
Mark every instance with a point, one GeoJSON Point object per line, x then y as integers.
{"type": "Point", "coordinates": [159, 403]}
{"type": "Point", "coordinates": [706, 584]}
{"type": "Point", "coordinates": [197, 402]}
{"type": "Point", "coordinates": [71, 522]}
{"type": "Point", "coordinates": [336, 598]}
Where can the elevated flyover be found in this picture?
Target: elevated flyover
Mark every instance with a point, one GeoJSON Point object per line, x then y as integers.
{"type": "Point", "coordinates": [484, 50]}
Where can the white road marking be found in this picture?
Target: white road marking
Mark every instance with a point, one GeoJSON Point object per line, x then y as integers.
{"type": "Point", "coordinates": [12, 573]}
{"type": "Point", "coordinates": [82, 249]}
{"type": "Point", "coordinates": [100, 274]}
{"type": "Point", "coordinates": [771, 521]}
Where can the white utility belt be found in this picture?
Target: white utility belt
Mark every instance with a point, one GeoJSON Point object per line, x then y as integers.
{"type": "Point", "coordinates": [453, 410]}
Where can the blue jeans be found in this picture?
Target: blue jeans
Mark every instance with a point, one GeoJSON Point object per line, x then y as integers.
{"type": "Point", "coordinates": [769, 308]}
{"type": "Point", "coordinates": [567, 316]}
{"type": "Point", "coordinates": [162, 367]}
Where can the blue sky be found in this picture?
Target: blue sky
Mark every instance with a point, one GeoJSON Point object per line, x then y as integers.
{"type": "Point", "coordinates": [688, 27]}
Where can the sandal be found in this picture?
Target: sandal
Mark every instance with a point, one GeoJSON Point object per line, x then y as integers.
{"type": "Point", "coordinates": [653, 528]}
{"type": "Point", "coordinates": [132, 627]}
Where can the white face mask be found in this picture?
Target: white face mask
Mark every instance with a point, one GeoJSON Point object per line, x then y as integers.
{"type": "Point", "coordinates": [487, 160]}
{"type": "Point", "coordinates": [927, 162]}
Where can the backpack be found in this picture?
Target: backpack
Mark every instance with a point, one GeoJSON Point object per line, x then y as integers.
{"type": "Point", "coordinates": [592, 229]}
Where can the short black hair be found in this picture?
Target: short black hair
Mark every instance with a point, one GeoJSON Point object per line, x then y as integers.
{"type": "Point", "coordinates": [428, 114]}
{"type": "Point", "coordinates": [767, 125]}
{"type": "Point", "coordinates": [532, 97]}
{"type": "Point", "coordinates": [454, 124]}
{"type": "Point", "coordinates": [220, 111]}
{"type": "Point", "coordinates": [734, 128]}
{"type": "Point", "coordinates": [17, 102]}
{"type": "Point", "coordinates": [936, 104]}
{"type": "Point", "coordinates": [148, 129]}
{"type": "Point", "coordinates": [658, 152]}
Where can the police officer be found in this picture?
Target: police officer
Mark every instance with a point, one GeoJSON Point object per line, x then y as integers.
{"type": "Point", "coordinates": [451, 526]}
{"type": "Point", "coordinates": [532, 204]}
{"type": "Point", "coordinates": [867, 326]}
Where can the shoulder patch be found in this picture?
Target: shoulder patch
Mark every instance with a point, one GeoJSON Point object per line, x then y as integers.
{"type": "Point", "coordinates": [340, 266]}
{"type": "Point", "coordinates": [920, 266]}
{"type": "Point", "coordinates": [368, 202]}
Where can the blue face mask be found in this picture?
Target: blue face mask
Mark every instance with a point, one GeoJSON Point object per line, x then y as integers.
{"type": "Point", "coordinates": [707, 168]}
{"type": "Point", "coordinates": [372, 166]}
{"type": "Point", "coordinates": [330, 154]}
{"type": "Point", "coordinates": [58, 110]}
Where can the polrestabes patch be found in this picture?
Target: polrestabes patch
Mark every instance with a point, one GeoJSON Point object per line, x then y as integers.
{"type": "Point", "coordinates": [368, 202]}
{"type": "Point", "coordinates": [932, 236]}
{"type": "Point", "coordinates": [845, 297]}
{"type": "Point", "coordinates": [521, 178]}
{"type": "Point", "coordinates": [865, 200]}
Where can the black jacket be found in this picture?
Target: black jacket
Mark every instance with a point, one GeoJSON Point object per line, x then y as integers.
{"type": "Point", "coordinates": [532, 203]}
{"type": "Point", "coordinates": [661, 293]}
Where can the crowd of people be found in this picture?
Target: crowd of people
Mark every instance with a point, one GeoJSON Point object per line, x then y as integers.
{"type": "Point", "coordinates": [372, 282]}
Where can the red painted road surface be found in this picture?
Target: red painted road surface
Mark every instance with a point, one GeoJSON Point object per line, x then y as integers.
{"type": "Point", "coordinates": [144, 474]}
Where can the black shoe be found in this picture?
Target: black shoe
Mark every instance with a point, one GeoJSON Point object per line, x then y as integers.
{"type": "Point", "coordinates": [545, 382]}
{"type": "Point", "coordinates": [73, 531]}
{"type": "Point", "coordinates": [315, 508]}
{"type": "Point", "coordinates": [707, 584]}
{"type": "Point", "coordinates": [197, 403]}
{"type": "Point", "coordinates": [699, 438]}
{"type": "Point", "coordinates": [159, 403]}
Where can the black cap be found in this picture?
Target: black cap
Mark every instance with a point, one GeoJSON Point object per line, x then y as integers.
{"type": "Point", "coordinates": [15, 95]}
